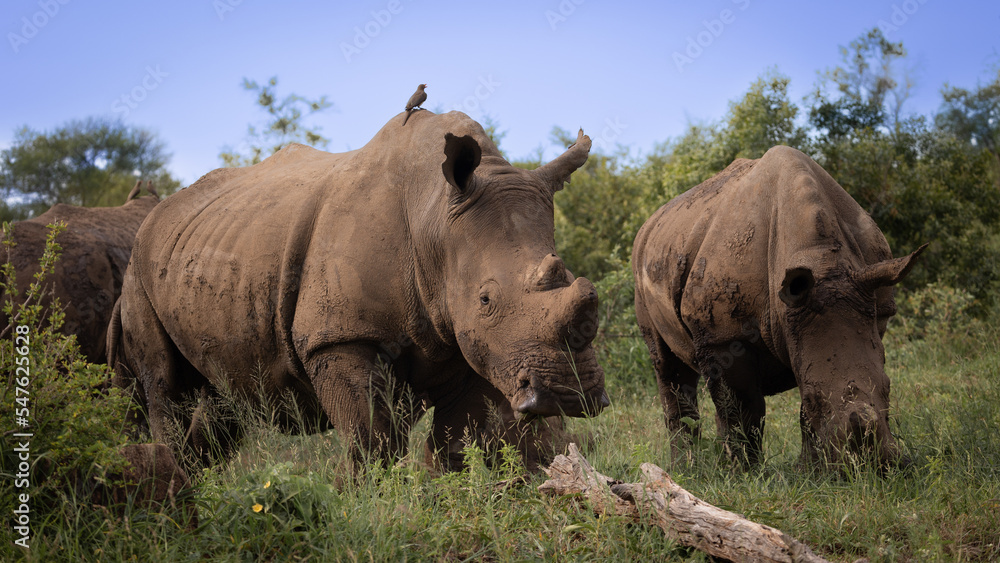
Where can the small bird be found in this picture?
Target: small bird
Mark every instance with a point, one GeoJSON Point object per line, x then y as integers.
{"type": "Point", "coordinates": [418, 98]}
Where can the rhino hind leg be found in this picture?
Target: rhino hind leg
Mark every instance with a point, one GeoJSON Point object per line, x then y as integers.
{"type": "Point", "coordinates": [160, 373]}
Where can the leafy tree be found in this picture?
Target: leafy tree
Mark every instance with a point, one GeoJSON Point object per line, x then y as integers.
{"type": "Point", "coordinates": [90, 162]}
{"type": "Point", "coordinates": [596, 218]}
{"type": "Point", "coordinates": [690, 160]}
{"type": "Point", "coordinates": [763, 118]}
{"type": "Point", "coordinates": [921, 185]}
{"type": "Point", "coordinates": [284, 124]}
{"type": "Point", "coordinates": [974, 116]}
{"type": "Point", "coordinates": [869, 89]}
{"type": "Point", "coordinates": [492, 128]}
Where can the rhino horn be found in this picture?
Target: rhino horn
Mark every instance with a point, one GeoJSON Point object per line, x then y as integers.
{"type": "Point", "coordinates": [557, 172]}
{"type": "Point", "coordinates": [888, 272]}
{"type": "Point", "coordinates": [135, 190]}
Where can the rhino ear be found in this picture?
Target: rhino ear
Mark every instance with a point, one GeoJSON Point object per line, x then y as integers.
{"type": "Point", "coordinates": [796, 286]}
{"type": "Point", "coordinates": [557, 172]}
{"type": "Point", "coordinates": [888, 272]}
{"type": "Point", "coordinates": [461, 157]}
{"type": "Point", "coordinates": [135, 191]}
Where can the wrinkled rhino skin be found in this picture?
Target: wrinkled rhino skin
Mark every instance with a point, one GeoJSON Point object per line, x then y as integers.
{"type": "Point", "coordinates": [88, 276]}
{"type": "Point", "coordinates": [424, 249]}
{"type": "Point", "coordinates": [766, 277]}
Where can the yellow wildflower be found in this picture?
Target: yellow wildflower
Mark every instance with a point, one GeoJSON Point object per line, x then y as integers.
{"type": "Point", "coordinates": [257, 507]}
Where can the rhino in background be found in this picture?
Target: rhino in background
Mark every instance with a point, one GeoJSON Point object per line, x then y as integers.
{"type": "Point", "coordinates": [767, 277]}
{"type": "Point", "coordinates": [424, 249]}
{"type": "Point", "coordinates": [87, 279]}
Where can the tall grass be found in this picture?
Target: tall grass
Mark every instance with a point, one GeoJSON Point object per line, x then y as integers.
{"type": "Point", "coordinates": [289, 497]}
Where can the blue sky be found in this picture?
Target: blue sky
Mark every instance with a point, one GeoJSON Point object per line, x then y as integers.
{"type": "Point", "coordinates": [613, 68]}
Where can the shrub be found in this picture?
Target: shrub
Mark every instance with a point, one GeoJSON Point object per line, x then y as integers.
{"type": "Point", "coordinates": [934, 310]}
{"type": "Point", "coordinates": [74, 420]}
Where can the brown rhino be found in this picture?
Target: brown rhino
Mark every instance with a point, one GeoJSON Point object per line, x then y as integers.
{"type": "Point", "coordinates": [424, 250]}
{"type": "Point", "coordinates": [766, 277]}
{"type": "Point", "coordinates": [88, 276]}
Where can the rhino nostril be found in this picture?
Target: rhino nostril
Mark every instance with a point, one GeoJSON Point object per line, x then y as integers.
{"type": "Point", "coordinates": [523, 380]}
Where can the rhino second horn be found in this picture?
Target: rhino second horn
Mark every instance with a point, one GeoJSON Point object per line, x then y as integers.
{"type": "Point", "coordinates": [889, 272]}
{"type": "Point", "coordinates": [557, 172]}
{"type": "Point", "coordinates": [551, 273]}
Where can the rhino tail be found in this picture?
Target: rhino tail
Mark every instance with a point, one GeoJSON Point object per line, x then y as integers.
{"type": "Point", "coordinates": [114, 338]}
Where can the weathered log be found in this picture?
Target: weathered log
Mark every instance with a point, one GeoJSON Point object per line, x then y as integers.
{"type": "Point", "coordinates": [682, 516]}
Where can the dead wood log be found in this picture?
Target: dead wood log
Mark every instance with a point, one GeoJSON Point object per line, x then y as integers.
{"type": "Point", "coordinates": [682, 516]}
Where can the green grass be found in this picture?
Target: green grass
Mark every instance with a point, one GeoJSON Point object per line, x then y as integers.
{"type": "Point", "coordinates": [945, 507]}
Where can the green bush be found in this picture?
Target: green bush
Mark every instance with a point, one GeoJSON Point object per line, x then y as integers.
{"type": "Point", "coordinates": [935, 310]}
{"type": "Point", "coordinates": [619, 345]}
{"type": "Point", "coordinates": [53, 394]}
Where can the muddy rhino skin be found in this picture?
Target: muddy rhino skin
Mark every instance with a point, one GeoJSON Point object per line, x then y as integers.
{"type": "Point", "coordinates": [424, 250]}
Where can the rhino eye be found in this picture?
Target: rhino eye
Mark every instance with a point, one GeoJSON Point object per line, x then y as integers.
{"type": "Point", "coordinates": [489, 296]}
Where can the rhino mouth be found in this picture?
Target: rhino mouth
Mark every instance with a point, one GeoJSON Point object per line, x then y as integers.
{"type": "Point", "coordinates": [548, 381]}
{"type": "Point", "coordinates": [854, 430]}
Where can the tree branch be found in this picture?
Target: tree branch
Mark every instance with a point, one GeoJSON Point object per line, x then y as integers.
{"type": "Point", "coordinates": [682, 516]}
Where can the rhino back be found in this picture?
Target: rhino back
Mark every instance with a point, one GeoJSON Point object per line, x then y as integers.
{"type": "Point", "coordinates": [251, 255]}
{"type": "Point", "coordinates": [87, 278]}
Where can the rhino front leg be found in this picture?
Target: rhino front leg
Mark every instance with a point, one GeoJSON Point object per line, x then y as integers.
{"type": "Point", "coordinates": [475, 412]}
{"type": "Point", "coordinates": [365, 403]}
{"type": "Point", "coordinates": [739, 417]}
{"type": "Point", "coordinates": [677, 385]}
